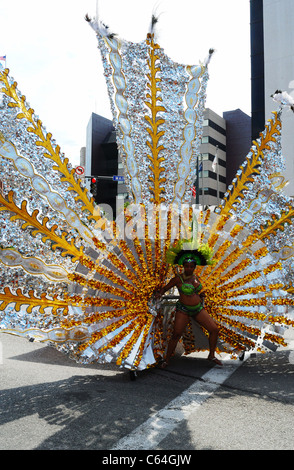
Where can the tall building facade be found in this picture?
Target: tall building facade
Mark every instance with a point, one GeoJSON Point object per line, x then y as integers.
{"type": "Point", "coordinates": [238, 130]}
{"type": "Point", "coordinates": [229, 138]}
{"type": "Point", "coordinates": [272, 63]}
{"type": "Point", "coordinates": [100, 159]}
{"type": "Point", "coordinates": [211, 182]}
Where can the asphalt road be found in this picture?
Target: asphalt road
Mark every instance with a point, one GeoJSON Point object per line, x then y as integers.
{"type": "Point", "coordinates": [48, 402]}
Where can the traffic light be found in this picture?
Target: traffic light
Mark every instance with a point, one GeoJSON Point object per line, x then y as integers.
{"type": "Point", "coordinates": [93, 186]}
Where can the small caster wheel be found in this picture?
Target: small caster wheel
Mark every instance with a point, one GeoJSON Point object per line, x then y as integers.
{"type": "Point", "coordinates": [241, 356]}
{"type": "Point", "coordinates": [133, 375]}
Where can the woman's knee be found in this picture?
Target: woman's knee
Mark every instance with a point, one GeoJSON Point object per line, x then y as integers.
{"type": "Point", "coordinates": [214, 329]}
{"type": "Point", "coordinates": [176, 336]}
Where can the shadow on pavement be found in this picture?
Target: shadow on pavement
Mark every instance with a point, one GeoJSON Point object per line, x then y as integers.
{"type": "Point", "coordinates": [93, 411]}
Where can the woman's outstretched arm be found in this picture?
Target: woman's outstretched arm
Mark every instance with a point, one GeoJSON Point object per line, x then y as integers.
{"type": "Point", "coordinates": [164, 289]}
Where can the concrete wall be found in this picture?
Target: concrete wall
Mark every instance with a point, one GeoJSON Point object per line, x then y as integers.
{"type": "Point", "coordinates": [279, 71]}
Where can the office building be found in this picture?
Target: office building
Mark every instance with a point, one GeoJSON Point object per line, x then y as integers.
{"type": "Point", "coordinates": [101, 161]}
{"type": "Point", "coordinates": [211, 183]}
{"type": "Point", "coordinates": [272, 64]}
{"type": "Point", "coordinates": [238, 132]}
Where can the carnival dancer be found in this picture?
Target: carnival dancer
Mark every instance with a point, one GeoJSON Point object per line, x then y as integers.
{"type": "Point", "coordinates": [191, 300]}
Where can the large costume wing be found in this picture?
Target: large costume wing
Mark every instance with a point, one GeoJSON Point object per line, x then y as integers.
{"type": "Point", "coordinates": [73, 278]}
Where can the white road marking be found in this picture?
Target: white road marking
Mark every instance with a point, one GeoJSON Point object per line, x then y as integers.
{"type": "Point", "coordinates": [149, 434]}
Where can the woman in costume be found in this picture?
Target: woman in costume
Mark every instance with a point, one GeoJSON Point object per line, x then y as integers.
{"type": "Point", "coordinates": [191, 300]}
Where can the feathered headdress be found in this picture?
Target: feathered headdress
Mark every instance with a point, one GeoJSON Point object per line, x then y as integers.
{"type": "Point", "coordinates": [187, 250]}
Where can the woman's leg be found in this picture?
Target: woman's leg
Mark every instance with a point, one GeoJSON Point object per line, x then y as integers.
{"type": "Point", "coordinates": [205, 320]}
{"type": "Point", "coordinates": [181, 321]}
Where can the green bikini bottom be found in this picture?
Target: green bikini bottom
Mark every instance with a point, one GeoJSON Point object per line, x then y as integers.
{"type": "Point", "coordinates": [189, 309]}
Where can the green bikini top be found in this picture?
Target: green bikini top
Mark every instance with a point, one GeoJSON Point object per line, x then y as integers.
{"type": "Point", "coordinates": [189, 289]}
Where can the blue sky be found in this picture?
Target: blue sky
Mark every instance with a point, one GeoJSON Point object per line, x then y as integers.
{"type": "Point", "coordinates": [52, 54]}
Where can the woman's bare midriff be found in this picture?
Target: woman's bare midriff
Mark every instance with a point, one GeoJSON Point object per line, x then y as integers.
{"type": "Point", "coordinates": [189, 299]}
